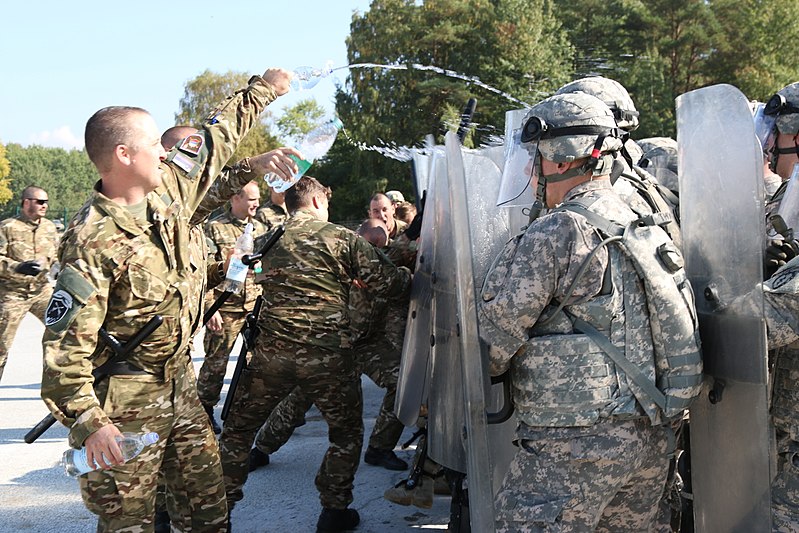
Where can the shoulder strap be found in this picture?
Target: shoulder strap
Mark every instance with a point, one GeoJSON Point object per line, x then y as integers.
{"type": "Point", "coordinates": [633, 372]}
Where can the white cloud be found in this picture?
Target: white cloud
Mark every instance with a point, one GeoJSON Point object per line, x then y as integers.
{"type": "Point", "coordinates": [60, 137]}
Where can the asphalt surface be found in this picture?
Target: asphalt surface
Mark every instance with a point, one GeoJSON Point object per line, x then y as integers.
{"type": "Point", "coordinates": [37, 496]}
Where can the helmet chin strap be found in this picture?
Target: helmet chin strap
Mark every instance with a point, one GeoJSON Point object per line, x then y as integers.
{"type": "Point", "coordinates": [775, 153]}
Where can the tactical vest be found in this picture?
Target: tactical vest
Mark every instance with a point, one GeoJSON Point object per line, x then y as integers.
{"type": "Point", "coordinates": [785, 392]}
{"type": "Point", "coordinates": [639, 341]}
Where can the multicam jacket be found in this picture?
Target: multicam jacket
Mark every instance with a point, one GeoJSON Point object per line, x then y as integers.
{"type": "Point", "coordinates": [117, 273]}
{"type": "Point", "coordinates": [307, 279]}
{"type": "Point", "coordinates": [22, 239]}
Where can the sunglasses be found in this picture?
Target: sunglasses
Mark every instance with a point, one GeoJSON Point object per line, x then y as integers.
{"type": "Point", "coordinates": [38, 201]}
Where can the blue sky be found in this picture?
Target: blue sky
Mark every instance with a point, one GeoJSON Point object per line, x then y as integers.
{"type": "Point", "coordinates": [62, 61]}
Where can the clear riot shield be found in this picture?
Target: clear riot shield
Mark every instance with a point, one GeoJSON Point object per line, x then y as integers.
{"type": "Point", "coordinates": [414, 373]}
{"type": "Point", "coordinates": [721, 207]}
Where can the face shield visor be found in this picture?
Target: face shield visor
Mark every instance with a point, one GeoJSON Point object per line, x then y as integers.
{"type": "Point", "coordinates": [663, 166]}
{"type": "Point", "coordinates": [515, 187]}
{"type": "Point", "coordinates": [764, 125]}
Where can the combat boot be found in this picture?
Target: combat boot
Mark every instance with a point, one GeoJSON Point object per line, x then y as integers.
{"type": "Point", "coordinates": [258, 459]}
{"type": "Point", "coordinates": [385, 458]}
{"type": "Point", "coordinates": [209, 410]}
{"type": "Point", "coordinates": [419, 496]}
{"type": "Point", "coordinates": [332, 520]}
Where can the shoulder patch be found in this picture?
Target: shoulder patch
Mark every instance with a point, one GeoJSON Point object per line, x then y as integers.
{"type": "Point", "coordinates": [192, 144]}
{"type": "Point", "coordinates": [784, 279]}
{"type": "Point", "coordinates": [71, 293]}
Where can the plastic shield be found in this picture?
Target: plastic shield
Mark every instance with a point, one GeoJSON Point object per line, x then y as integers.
{"type": "Point", "coordinates": [722, 213]}
{"type": "Point", "coordinates": [414, 373]}
{"type": "Point", "coordinates": [515, 188]}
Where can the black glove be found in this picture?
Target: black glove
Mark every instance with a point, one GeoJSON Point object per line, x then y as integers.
{"type": "Point", "coordinates": [28, 268]}
{"type": "Point", "coordinates": [414, 229]}
{"type": "Point", "coordinates": [778, 252]}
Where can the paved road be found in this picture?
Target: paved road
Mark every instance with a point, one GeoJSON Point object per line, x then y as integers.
{"type": "Point", "coordinates": [35, 494]}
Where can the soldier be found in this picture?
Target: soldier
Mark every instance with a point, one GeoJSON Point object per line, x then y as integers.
{"type": "Point", "coordinates": [27, 250]}
{"type": "Point", "coordinates": [381, 208]}
{"type": "Point", "coordinates": [589, 457]}
{"type": "Point", "coordinates": [125, 258]}
{"type": "Point", "coordinates": [304, 341]}
{"type": "Point", "coordinates": [274, 212]}
{"type": "Point", "coordinates": [224, 326]}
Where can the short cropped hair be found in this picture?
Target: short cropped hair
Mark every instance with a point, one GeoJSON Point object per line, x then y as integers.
{"type": "Point", "coordinates": [171, 136]}
{"type": "Point", "coordinates": [106, 129]}
{"type": "Point", "coordinates": [27, 191]}
{"type": "Point", "coordinates": [302, 193]}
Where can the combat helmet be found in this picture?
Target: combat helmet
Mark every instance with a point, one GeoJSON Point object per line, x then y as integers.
{"type": "Point", "coordinates": [785, 106]}
{"type": "Point", "coordinates": [612, 93]}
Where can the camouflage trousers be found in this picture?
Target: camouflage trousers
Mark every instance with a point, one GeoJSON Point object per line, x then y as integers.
{"type": "Point", "coordinates": [330, 380]}
{"type": "Point", "coordinates": [376, 358]}
{"type": "Point", "coordinates": [217, 352]}
{"type": "Point", "coordinates": [186, 452]}
{"type": "Point", "coordinates": [608, 477]}
{"type": "Point", "coordinates": [13, 307]}
{"type": "Point", "coordinates": [785, 487]}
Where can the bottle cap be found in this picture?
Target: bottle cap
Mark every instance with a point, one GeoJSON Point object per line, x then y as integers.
{"type": "Point", "coordinates": [150, 438]}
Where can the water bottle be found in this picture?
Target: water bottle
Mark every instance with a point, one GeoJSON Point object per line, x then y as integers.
{"type": "Point", "coordinates": [305, 78]}
{"type": "Point", "coordinates": [313, 146]}
{"type": "Point", "coordinates": [75, 462]}
{"type": "Point", "coordinates": [237, 271]}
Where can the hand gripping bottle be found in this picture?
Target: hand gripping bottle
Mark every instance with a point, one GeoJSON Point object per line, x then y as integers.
{"type": "Point", "coordinates": [305, 78]}
{"type": "Point", "coordinates": [315, 145]}
{"type": "Point", "coordinates": [75, 462]}
{"type": "Point", "coordinates": [237, 271]}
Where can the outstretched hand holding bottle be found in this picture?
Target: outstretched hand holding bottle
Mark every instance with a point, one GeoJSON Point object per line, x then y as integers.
{"type": "Point", "coordinates": [105, 448]}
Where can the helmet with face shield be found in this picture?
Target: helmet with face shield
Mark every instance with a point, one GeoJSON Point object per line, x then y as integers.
{"type": "Point", "coordinates": [781, 114]}
{"type": "Point", "coordinates": [563, 128]}
{"type": "Point", "coordinates": [612, 93]}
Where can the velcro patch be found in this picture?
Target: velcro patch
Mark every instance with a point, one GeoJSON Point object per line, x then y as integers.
{"type": "Point", "coordinates": [192, 144]}
{"type": "Point", "coordinates": [71, 293]}
{"type": "Point", "coordinates": [60, 304]}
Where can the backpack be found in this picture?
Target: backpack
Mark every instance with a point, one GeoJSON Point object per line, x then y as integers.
{"type": "Point", "coordinates": [670, 302]}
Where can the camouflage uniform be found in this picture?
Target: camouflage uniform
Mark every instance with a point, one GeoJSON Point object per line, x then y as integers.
{"type": "Point", "coordinates": [271, 215]}
{"type": "Point", "coordinates": [117, 273]}
{"type": "Point", "coordinates": [781, 294]}
{"type": "Point", "coordinates": [399, 227]}
{"type": "Point", "coordinates": [22, 239]}
{"type": "Point", "coordinates": [223, 232]}
{"type": "Point", "coordinates": [582, 468]}
{"type": "Point", "coordinates": [304, 341]}
{"type": "Point", "coordinates": [377, 345]}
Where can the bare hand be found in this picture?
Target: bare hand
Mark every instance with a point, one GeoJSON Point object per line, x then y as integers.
{"type": "Point", "coordinates": [214, 324]}
{"type": "Point", "coordinates": [102, 445]}
{"type": "Point", "coordinates": [279, 79]}
{"type": "Point", "coordinates": [276, 161]}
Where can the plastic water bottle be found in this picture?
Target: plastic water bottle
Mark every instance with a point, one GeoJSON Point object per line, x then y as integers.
{"type": "Point", "coordinates": [307, 77]}
{"type": "Point", "coordinates": [315, 145]}
{"type": "Point", "coordinates": [75, 462]}
{"type": "Point", "coordinates": [237, 271]}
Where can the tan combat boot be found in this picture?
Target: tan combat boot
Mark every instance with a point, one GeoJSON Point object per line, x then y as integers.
{"type": "Point", "coordinates": [420, 496]}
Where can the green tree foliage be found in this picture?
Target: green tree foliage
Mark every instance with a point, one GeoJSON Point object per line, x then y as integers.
{"type": "Point", "coordinates": [67, 176]}
{"type": "Point", "coordinates": [299, 119]}
{"type": "Point", "coordinates": [660, 49]}
{"type": "Point", "coordinates": [515, 46]}
{"type": "Point", "coordinates": [5, 171]}
{"type": "Point", "coordinates": [203, 93]}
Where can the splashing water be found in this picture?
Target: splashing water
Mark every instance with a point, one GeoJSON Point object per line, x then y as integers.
{"type": "Point", "coordinates": [439, 70]}
{"type": "Point", "coordinates": [405, 153]}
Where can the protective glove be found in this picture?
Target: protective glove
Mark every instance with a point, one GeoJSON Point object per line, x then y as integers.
{"type": "Point", "coordinates": [28, 268]}
{"type": "Point", "coordinates": [414, 229]}
{"type": "Point", "coordinates": [778, 252]}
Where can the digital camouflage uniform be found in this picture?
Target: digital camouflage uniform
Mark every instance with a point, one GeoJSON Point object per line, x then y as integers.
{"type": "Point", "coordinates": [223, 232]}
{"type": "Point", "coordinates": [271, 215]}
{"type": "Point", "coordinates": [377, 344]}
{"type": "Point", "coordinates": [781, 294]}
{"type": "Point", "coordinates": [589, 458]}
{"type": "Point", "coordinates": [22, 239]}
{"type": "Point", "coordinates": [117, 273]}
{"type": "Point", "coordinates": [305, 341]}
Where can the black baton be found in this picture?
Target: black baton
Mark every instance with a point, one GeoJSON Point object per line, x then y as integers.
{"type": "Point", "coordinates": [120, 353]}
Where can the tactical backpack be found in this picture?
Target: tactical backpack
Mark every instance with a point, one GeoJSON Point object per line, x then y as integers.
{"type": "Point", "coordinates": [670, 302]}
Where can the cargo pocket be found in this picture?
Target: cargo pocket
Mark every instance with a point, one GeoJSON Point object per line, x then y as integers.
{"type": "Point", "coordinates": [525, 508]}
{"type": "Point", "coordinates": [145, 284]}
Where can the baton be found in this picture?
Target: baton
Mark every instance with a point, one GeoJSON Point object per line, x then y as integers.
{"type": "Point", "coordinates": [247, 260]}
{"type": "Point", "coordinates": [120, 353]}
{"type": "Point", "coordinates": [249, 333]}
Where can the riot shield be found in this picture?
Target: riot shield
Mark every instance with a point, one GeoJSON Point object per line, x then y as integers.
{"type": "Point", "coordinates": [722, 213]}
{"type": "Point", "coordinates": [414, 373]}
